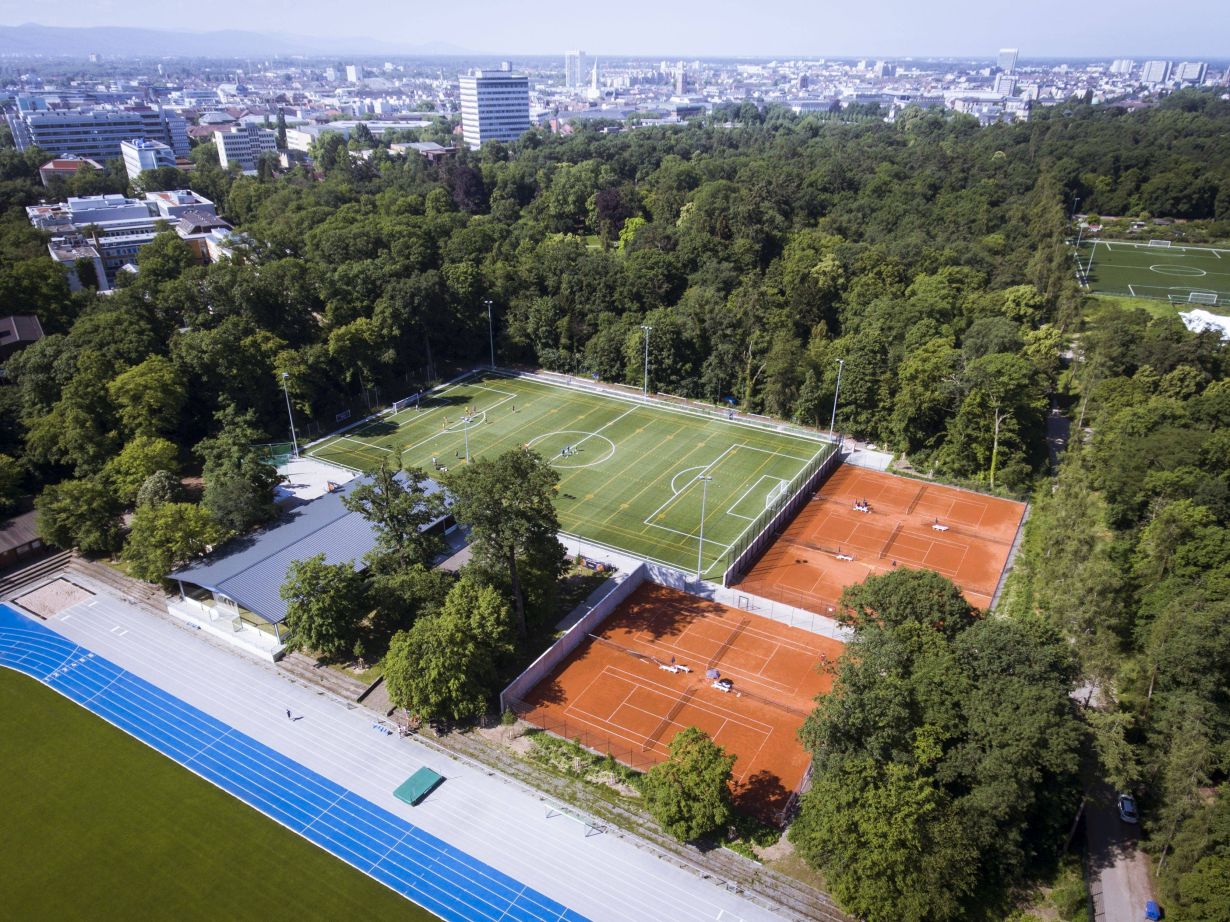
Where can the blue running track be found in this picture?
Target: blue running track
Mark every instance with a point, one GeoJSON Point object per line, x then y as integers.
{"type": "Point", "coordinates": [416, 864]}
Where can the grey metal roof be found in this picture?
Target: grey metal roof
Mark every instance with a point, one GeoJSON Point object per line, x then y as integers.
{"type": "Point", "coordinates": [252, 569]}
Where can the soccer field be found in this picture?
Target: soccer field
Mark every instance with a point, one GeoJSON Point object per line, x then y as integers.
{"type": "Point", "coordinates": [630, 474]}
{"type": "Point", "coordinates": [1196, 275]}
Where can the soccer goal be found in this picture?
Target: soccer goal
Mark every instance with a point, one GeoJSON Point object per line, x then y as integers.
{"type": "Point", "coordinates": [405, 402]}
{"type": "Point", "coordinates": [1203, 297]}
{"type": "Point", "coordinates": [775, 494]}
{"type": "Point", "coordinates": [1159, 243]}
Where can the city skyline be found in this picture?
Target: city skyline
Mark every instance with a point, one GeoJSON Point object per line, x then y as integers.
{"type": "Point", "coordinates": [785, 28]}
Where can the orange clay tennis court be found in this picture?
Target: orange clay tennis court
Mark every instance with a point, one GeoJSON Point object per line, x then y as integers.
{"type": "Point", "coordinates": [863, 522]}
{"type": "Point", "coordinates": [617, 694]}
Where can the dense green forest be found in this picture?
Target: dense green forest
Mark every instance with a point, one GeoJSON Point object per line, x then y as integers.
{"type": "Point", "coordinates": [929, 256]}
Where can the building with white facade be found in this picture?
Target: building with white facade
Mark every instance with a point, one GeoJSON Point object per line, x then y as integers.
{"type": "Point", "coordinates": [1155, 72]}
{"type": "Point", "coordinates": [495, 106]}
{"type": "Point", "coordinates": [242, 145]}
{"type": "Point", "coordinates": [1005, 84]}
{"type": "Point", "coordinates": [354, 73]}
{"type": "Point", "coordinates": [109, 230]}
{"type": "Point", "coordinates": [141, 154]}
{"type": "Point", "coordinates": [1122, 66]}
{"type": "Point", "coordinates": [1192, 72]}
{"type": "Point", "coordinates": [96, 133]}
{"type": "Point", "coordinates": [1007, 60]}
{"type": "Point", "coordinates": [574, 69]}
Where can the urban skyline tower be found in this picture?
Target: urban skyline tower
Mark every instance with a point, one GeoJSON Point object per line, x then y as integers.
{"type": "Point", "coordinates": [574, 69]}
{"type": "Point", "coordinates": [495, 106]}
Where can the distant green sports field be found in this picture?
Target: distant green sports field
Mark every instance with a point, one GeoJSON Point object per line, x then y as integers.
{"type": "Point", "coordinates": [1195, 276]}
{"type": "Point", "coordinates": [98, 826]}
{"type": "Point", "coordinates": [628, 469]}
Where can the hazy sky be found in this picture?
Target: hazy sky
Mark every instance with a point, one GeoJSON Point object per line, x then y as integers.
{"type": "Point", "coordinates": [1043, 28]}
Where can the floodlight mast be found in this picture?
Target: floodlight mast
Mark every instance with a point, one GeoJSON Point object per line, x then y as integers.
{"type": "Point", "coordinates": [646, 329]}
{"type": "Point", "coordinates": [841, 365]}
{"type": "Point", "coordinates": [704, 495]}
{"type": "Point", "coordinates": [294, 439]}
{"type": "Point", "coordinates": [490, 332]}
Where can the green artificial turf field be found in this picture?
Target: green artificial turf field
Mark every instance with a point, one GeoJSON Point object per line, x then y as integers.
{"type": "Point", "coordinates": [98, 826]}
{"type": "Point", "coordinates": [1171, 273]}
{"type": "Point", "coordinates": [631, 480]}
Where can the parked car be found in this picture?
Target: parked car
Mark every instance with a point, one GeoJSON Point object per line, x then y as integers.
{"type": "Point", "coordinates": [1127, 809]}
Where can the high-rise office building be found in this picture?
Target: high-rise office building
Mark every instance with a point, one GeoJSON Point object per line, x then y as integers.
{"type": "Point", "coordinates": [1191, 72]}
{"type": "Point", "coordinates": [574, 69]}
{"type": "Point", "coordinates": [244, 144]}
{"type": "Point", "coordinates": [354, 73]}
{"type": "Point", "coordinates": [1007, 60]}
{"type": "Point", "coordinates": [1155, 72]}
{"type": "Point", "coordinates": [141, 154]}
{"type": "Point", "coordinates": [681, 79]}
{"type": "Point", "coordinates": [1005, 84]}
{"type": "Point", "coordinates": [1123, 66]}
{"type": "Point", "coordinates": [495, 106]}
{"type": "Point", "coordinates": [97, 132]}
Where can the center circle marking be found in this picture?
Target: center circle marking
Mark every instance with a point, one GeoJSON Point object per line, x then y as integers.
{"type": "Point", "coordinates": [1187, 272]}
{"type": "Point", "coordinates": [558, 461]}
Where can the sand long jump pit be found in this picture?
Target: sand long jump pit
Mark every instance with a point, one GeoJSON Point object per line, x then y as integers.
{"type": "Point", "coordinates": [646, 675]}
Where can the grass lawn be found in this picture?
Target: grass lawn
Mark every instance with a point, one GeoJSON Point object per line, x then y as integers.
{"type": "Point", "coordinates": [1140, 271]}
{"type": "Point", "coordinates": [1155, 308]}
{"type": "Point", "coordinates": [631, 481]}
{"type": "Point", "coordinates": [98, 826]}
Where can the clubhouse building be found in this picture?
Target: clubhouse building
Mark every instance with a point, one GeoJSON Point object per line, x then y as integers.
{"type": "Point", "coordinates": [235, 593]}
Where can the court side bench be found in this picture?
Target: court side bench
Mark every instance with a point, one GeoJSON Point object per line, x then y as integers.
{"type": "Point", "coordinates": [418, 786]}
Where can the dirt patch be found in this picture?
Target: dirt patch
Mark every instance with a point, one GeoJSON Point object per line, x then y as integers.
{"type": "Point", "coordinates": [54, 597]}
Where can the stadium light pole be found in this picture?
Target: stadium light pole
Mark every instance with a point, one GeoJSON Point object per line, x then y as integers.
{"type": "Point", "coordinates": [646, 329]}
{"type": "Point", "coordinates": [466, 429]}
{"type": "Point", "coordinates": [704, 495]}
{"type": "Point", "coordinates": [490, 333]}
{"type": "Point", "coordinates": [294, 439]}
{"type": "Point", "coordinates": [841, 366]}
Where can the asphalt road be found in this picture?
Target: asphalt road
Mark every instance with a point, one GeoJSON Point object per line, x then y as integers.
{"type": "Point", "coordinates": [1058, 431]}
{"type": "Point", "coordinates": [1120, 876]}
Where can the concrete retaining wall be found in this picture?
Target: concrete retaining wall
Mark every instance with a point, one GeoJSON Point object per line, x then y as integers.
{"type": "Point", "coordinates": [605, 600]}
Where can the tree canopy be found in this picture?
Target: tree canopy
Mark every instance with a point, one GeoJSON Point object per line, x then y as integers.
{"type": "Point", "coordinates": [945, 756]}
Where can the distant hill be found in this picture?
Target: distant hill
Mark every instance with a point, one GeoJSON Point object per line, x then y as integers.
{"type": "Point", "coordinates": [120, 41]}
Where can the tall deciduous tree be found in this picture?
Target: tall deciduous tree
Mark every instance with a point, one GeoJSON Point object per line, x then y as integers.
{"type": "Point", "coordinates": [149, 397]}
{"type": "Point", "coordinates": [945, 755]}
{"type": "Point", "coordinates": [446, 665]}
{"type": "Point", "coordinates": [79, 513]}
{"type": "Point", "coordinates": [325, 605]}
{"type": "Point", "coordinates": [689, 793]}
{"type": "Point", "coordinates": [401, 508]}
{"type": "Point", "coordinates": [239, 482]}
{"type": "Point", "coordinates": [508, 502]}
{"type": "Point", "coordinates": [168, 535]}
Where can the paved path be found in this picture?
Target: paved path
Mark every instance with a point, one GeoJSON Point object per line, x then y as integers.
{"type": "Point", "coordinates": [489, 817]}
{"type": "Point", "coordinates": [1120, 878]}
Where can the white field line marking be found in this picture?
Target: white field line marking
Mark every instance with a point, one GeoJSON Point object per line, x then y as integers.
{"type": "Point", "coordinates": [363, 444]}
{"type": "Point", "coordinates": [607, 426]}
{"type": "Point", "coordinates": [675, 496]}
{"type": "Point", "coordinates": [451, 431]}
{"type": "Point", "coordinates": [1131, 291]}
{"type": "Point", "coordinates": [749, 490]}
{"type": "Point", "coordinates": [768, 451]}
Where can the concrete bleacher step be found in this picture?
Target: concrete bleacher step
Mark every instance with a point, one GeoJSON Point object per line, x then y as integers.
{"type": "Point", "coordinates": [310, 670]}
{"type": "Point", "coordinates": [12, 584]}
{"type": "Point", "coordinates": [146, 595]}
